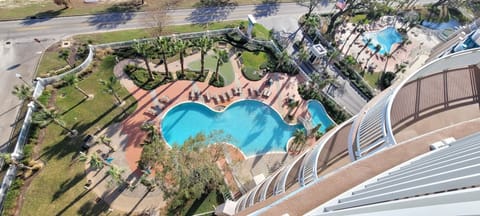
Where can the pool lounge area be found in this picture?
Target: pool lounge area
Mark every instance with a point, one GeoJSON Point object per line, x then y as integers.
{"type": "Point", "coordinates": [255, 127]}
{"type": "Point", "coordinates": [385, 38]}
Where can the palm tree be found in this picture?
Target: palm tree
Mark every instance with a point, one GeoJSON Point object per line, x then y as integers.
{"type": "Point", "coordinates": [204, 44]}
{"type": "Point", "coordinates": [165, 48]}
{"type": "Point", "coordinates": [378, 47]}
{"type": "Point", "coordinates": [95, 161]}
{"type": "Point", "coordinates": [143, 49]}
{"type": "Point", "coordinates": [116, 174]}
{"type": "Point", "coordinates": [44, 117]}
{"type": "Point", "coordinates": [388, 56]}
{"type": "Point", "coordinates": [64, 54]}
{"type": "Point", "coordinates": [282, 59]}
{"type": "Point", "coordinates": [299, 139]}
{"type": "Point", "coordinates": [369, 41]}
{"type": "Point", "coordinates": [333, 55]}
{"type": "Point", "coordinates": [180, 47]}
{"type": "Point", "coordinates": [303, 55]}
{"type": "Point", "coordinates": [310, 22]}
{"type": "Point", "coordinates": [354, 30]}
{"type": "Point", "coordinates": [110, 87]}
{"type": "Point", "coordinates": [361, 31]}
{"type": "Point", "coordinates": [7, 157]}
{"type": "Point", "coordinates": [72, 80]}
{"type": "Point", "coordinates": [24, 92]}
{"type": "Point", "coordinates": [222, 57]}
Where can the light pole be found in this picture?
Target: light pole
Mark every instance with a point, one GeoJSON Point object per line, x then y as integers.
{"type": "Point", "coordinates": [21, 78]}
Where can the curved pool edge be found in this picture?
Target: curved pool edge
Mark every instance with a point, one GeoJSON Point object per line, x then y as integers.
{"type": "Point", "coordinates": [383, 29]}
{"type": "Point", "coordinates": [226, 107]}
{"type": "Point", "coordinates": [324, 110]}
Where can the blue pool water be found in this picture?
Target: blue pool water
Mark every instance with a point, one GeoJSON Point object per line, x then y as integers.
{"type": "Point", "coordinates": [254, 126]}
{"type": "Point", "coordinates": [386, 38]}
{"type": "Point", "coordinates": [317, 111]}
{"type": "Point", "coordinates": [451, 24]}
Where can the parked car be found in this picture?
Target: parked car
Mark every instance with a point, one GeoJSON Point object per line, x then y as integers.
{"type": "Point", "coordinates": [88, 142]}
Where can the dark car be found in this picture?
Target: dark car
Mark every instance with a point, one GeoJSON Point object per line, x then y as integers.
{"type": "Point", "coordinates": [88, 142]}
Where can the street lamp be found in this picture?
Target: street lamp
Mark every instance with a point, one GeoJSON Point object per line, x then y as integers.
{"type": "Point", "coordinates": [21, 78]}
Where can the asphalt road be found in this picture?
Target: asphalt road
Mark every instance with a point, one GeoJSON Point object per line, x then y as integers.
{"type": "Point", "coordinates": [20, 54]}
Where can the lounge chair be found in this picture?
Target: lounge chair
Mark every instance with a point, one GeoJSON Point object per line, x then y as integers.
{"type": "Point", "coordinates": [207, 96]}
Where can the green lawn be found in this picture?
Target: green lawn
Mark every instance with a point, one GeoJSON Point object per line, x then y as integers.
{"type": "Point", "coordinates": [357, 18]}
{"type": "Point", "coordinates": [58, 187]}
{"type": "Point", "coordinates": [50, 62]}
{"type": "Point", "coordinates": [252, 62]}
{"type": "Point", "coordinates": [206, 203]}
{"type": "Point", "coordinates": [226, 70]}
{"type": "Point", "coordinates": [261, 32]}
{"type": "Point", "coordinates": [372, 78]}
{"type": "Point", "coordinates": [124, 35]}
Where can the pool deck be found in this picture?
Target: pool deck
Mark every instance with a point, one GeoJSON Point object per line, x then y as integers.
{"type": "Point", "coordinates": [152, 105]}
{"type": "Point", "coordinates": [422, 42]}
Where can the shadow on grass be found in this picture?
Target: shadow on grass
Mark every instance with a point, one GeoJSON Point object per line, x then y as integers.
{"type": "Point", "coordinates": [42, 17]}
{"type": "Point", "coordinates": [91, 208]}
{"type": "Point", "coordinates": [266, 8]}
{"type": "Point", "coordinates": [114, 16]}
{"type": "Point", "coordinates": [80, 196]}
{"type": "Point", "coordinates": [204, 200]}
{"type": "Point", "coordinates": [66, 185]}
{"type": "Point", "coordinates": [211, 10]}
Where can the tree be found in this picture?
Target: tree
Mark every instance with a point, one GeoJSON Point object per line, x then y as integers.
{"type": "Point", "coordinates": [116, 175]}
{"type": "Point", "coordinates": [180, 47]}
{"type": "Point", "coordinates": [310, 22]}
{"type": "Point", "coordinates": [165, 48]}
{"type": "Point", "coordinates": [350, 5]}
{"type": "Point", "coordinates": [299, 140]}
{"type": "Point", "coordinates": [333, 55]}
{"type": "Point", "coordinates": [377, 49]}
{"type": "Point", "coordinates": [65, 3]}
{"type": "Point", "coordinates": [64, 54]}
{"type": "Point", "coordinates": [158, 20]}
{"type": "Point", "coordinates": [388, 56]}
{"type": "Point", "coordinates": [110, 86]}
{"type": "Point", "coordinates": [24, 92]}
{"type": "Point", "coordinates": [95, 161]}
{"type": "Point", "coordinates": [204, 43]}
{"type": "Point", "coordinates": [143, 49]}
{"type": "Point", "coordinates": [361, 31]}
{"type": "Point", "coordinates": [45, 117]}
{"type": "Point", "coordinates": [222, 57]}
{"type": "Point", "coordinates": [311, 5]}
{"type": "Point", "coordinates": [369, 42]}
{"type": "Point", "coordinates": [282, 60]}
{"type": "Point", "coordinates": [189, 171]}
{"type": "Point", "coordinates": [72, 80]}
{"type": "Point", "coordinates": [303, 55]}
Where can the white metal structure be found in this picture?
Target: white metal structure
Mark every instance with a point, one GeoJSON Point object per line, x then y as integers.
{"type": "Point", "coordinates": [435, 174]}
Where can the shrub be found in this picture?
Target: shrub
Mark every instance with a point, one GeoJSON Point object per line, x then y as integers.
{"type": "Point", "coordinates": [217, 83]}
{"type": "Point", "coordinates": [142, 79]}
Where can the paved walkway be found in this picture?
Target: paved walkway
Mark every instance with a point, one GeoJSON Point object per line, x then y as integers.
{"type": "Point", "coordinates": [127, 135]}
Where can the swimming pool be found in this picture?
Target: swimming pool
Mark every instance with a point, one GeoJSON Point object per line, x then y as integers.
{"type": "Point", "coordinates": [451, 24]}
{"type": "Point", "coordinates": [254, 126]}
{"type": "Point", "coordinates": [386, 38]}
{"type": "Point", "coordinates": [319, 115]}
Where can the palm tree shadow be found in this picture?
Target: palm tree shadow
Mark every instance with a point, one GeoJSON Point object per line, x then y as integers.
{"type": "Point", "coordinates": [210, 11]}
{"type": "Point", "coordinates": [42, 17]}
{"type": "Point", "coordinates": [266, 8]}
{"type": "Point", "coordinates": [73, 107]}
{"type": "Point", "coordinates": [114, 16]}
